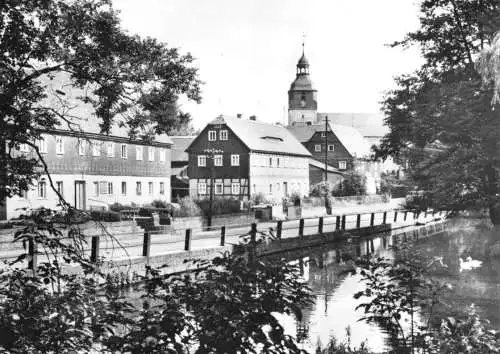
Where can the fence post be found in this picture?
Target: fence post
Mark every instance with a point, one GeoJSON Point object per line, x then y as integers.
{"type": "Point", "coordinates": [146, 245]}
{"type": "Point", "coordinates": [94, 255]}
{"type": "Point", "coordinates": [425, 215]}
{"type": "Point", "coordinates": [343, 222]}
{"type": "Point", "coordinates": [337, 223]}
{"type": "Point", "coordinates": [385, 218]}
{"type": "Point", "coordinates": [253, 234]}
{"type": "Point", "coordinates": [279, 229]}
{"type": "Point", "coordinates": [320, 225]}
{"type": "Point", "coordinates": [372, 219]}
{"type": "Point", "coordinates": [222, 235]}
{"type": "Point", "coordinates": [358, 221]}
{"type": "Point", "coordinates": [301, 228]}
{"type": "Point", "coordinates": [33, 253]}
{"type": "Point", "coordinates": [395, 216]}
{"type": "Point", "coordinates": [187, 240]}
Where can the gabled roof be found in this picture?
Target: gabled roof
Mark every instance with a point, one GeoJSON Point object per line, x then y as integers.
{"type": "Point", "coordinates": [351, 138]}
{"type": "Point", "coordinates": [321, 165]}
{"type": "Point", "coordinates": [368, 124]}
{"type": "Point", "coordinates": [180, 144]}
{"type": "Point", "coordinates": [265, 137]}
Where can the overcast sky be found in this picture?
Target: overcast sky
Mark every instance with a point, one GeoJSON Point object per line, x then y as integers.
{"type": "Point", "coordinates": [246, 50]}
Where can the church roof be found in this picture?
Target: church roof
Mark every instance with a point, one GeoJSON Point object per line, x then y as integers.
{"type": "Point", "coordinates": [303, 61]}
{"type": "Point", "coordinates": [260, 136]}
{"type": "Point", "coordinates": [351, 138]}
{"type": "Point", "coordinates": [302, 83]}
{"type": "Point", "coordinates": [368, 124]}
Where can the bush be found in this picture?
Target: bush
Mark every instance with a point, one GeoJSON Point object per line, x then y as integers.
{"type": "Point", "coordinates": [322, 189]}
{"type": "Point", "coordinates": [98, 215]}
{"type": "Point", "coordinates": [220, 206]}
{"type": "Point", "coordinates": [352, 184]}
{"type": "Point", "coordinates": [119, 207]}
{"type": "Point", "coordinates": [259, 198]}
{"type": "Point", "coordinates": [188, 207]}
{"type": "Point", "coordinates": [161, 204]}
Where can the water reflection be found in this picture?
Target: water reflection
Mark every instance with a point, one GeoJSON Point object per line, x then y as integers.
{"type": "Point", "coordinates": [327, 272]}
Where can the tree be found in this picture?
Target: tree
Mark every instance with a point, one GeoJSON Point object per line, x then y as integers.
{"type": "Point", "coordinates": [352, 184]}
{"type": "Point", "coordinates": [440, 116]}
{"type": "Point", "coordinates": [59, 56]}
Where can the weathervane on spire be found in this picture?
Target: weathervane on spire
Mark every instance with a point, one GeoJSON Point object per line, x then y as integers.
{"type": "Point", "coordinates": [303, 42]}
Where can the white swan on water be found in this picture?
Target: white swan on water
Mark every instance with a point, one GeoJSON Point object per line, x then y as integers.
{"type": "Point", "coordinates": [469, 263]}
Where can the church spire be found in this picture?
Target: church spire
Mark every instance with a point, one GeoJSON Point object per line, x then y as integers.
{"type": "Point", "coordinates": [303, 64]}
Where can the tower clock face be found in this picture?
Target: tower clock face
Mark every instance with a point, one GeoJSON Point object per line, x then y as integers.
{"type": "Point", "coordinates": [302, 103]}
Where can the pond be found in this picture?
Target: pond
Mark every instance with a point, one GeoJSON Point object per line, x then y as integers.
{"type": "Point", "coordinates": [326, 271]}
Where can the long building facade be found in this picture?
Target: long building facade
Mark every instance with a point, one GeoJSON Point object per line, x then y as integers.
{"type": "Point", "coordinates": [94, 171]}
{"type": "Point", "coordinates": [235, 157]}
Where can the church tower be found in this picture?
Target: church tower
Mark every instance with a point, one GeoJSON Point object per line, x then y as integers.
{"type": "Point", "coordinates": [302, 100]}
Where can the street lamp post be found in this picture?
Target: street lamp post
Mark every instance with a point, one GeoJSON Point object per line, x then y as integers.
{"type": "Point", "coordinates": [211, 156]}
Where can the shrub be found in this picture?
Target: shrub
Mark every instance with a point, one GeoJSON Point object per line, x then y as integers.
{"type": "Point", "coordinates": [98, 215]}
{"type": "Point", "coordinates": [118, 207]}
{"type": "Point", "coordinates": [259, 198]}
{"type": "Point", "coordinates": [322, 189]}
{"type": "Point", "coordinates": [352, 184]}
{"type": "Point", "coordinates": [188, 207]}
{"type": "Point", "coordinates": [158, 203]}
{"type": "Point", "coordinates": [220, 206]}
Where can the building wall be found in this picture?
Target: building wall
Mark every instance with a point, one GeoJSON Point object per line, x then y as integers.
{"type": "Point", "coordinates": [317, 175]}
{"type": "Point", "coordinates": [92, 199]}
{"type": "Point", "coordinates": [292, 170]}
{"type": "Point", "coordinates": [303, 116]}
{"type": "Point", "coordinates": [69, 165]}
{"type": "Point", "coordinates": [334, 158]}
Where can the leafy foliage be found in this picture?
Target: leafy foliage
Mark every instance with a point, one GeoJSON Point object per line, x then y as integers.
{"type": "Point", "coordinates": [62, 60]}
{"type": "Point", "coordinates": [352, 184]}
{"type": "Point", "coordinates": [440, 117]}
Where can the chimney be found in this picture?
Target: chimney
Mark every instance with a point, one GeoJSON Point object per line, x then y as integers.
{"type": "Point", "coordinates": [239, 115]}
{"type": "Point", "coordinates": [253, 117]}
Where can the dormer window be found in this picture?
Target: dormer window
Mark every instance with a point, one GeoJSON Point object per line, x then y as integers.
{"type": "Point", "coordinates": [212, 135]}
{"type": "Point", "coordinates": [272, 138]}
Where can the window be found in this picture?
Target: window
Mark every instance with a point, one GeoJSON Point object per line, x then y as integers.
{"type": "Point", "coordinates": [124, 188]}
{"type": "Point", "coordinates": [235, 160]}
{"type": "Point", "coordinates": [105, 187]}
{"type": "Point", "coordinates": [323, 134]}
{"type": "Point", "coordinates": [162, 155]}
{"type": "Point", "coordinates": [151, 153]}
{"type": "Point", "coordinates": [270, 161]}
{"type": "Point", "coordinates": [138, 152]}
{"type": "Point", "coordinates": [150, 188]}
{"type": "Point", "coordinates": [223, 135]}
{"type": "Point", "coordinates": [217, 160]}
{"type": "Point", "coordinates": [331, 147]}
{"type": "Point", "coordinates": [24, 148]}
{"type": "Point", "coordinates": [96, 148]}
{"type": "Point", "coordinates": [219, 187]}
{"type": "Point", "coordinates": [138, 188]}
{"type": "Point", "coordinates": [278, 162]}
{"type": "Point", "coordinates": [270, 188]}
{"type": "Point", "coordinates": [212, 135]}
{"type": "Point", "coordinates": [124, 151]}
{"type": "Point", "coordinates": [235, 188]}
{"type": "Point", "coordinates": [42, 145]}
{"type": "Point", "coordinates": [202, 188]}
{"type": "Point", "coordinates": [82, 147]}
{"type": "Point", "coordinates": [162, 187]}
{"type": "Point", "coordinates": [42, 189]}
{"type": "Point", "coordinates": [59, 145]}
{"type": "Point", "coordinates": [202, 160]}
{"type": "Point", "coordinates": [317, 147]}
{"type": "Point", "coordinates": [342, 165]}
{"type": "Point", "coordinates": [60, 189]}
{"type": "Point", "coordinates": [96, 188]}
{"type": "Point", "coordinates": [110, 149]}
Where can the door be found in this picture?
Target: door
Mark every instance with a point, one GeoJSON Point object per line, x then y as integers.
{"type": "Point", "coordinates": [285, 189]}
{"type": "Point", "coordinates": [80, 195]}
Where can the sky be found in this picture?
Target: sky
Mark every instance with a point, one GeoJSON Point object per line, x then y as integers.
{"type": "Point", "coordinates": [247, 50]}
